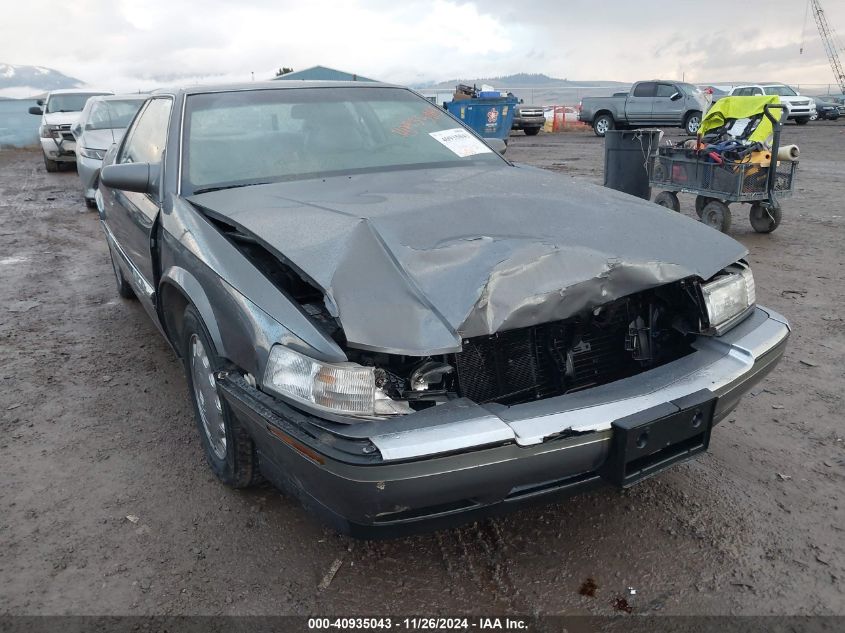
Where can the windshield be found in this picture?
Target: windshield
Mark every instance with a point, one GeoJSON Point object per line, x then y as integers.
{"type": "Point", "coordinates": [112, 114]}
{"type": "Point", "coordinates": [247, 137]}
{"type": "Point", "coordinates": [782, 91]}
{"type": "Point", "coordinates": [68, 102]}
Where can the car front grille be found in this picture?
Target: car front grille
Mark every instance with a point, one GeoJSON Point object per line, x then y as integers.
{"type": "Point", "coordinates": [618, 340]}
{"type": "Point", "coordinates": [531, 112]}
{"type": "Point", "coordinates": [548, 359]}
{"type": "Point", "coordinates": [801, 103]}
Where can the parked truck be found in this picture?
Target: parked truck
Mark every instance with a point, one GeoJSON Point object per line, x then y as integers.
{"type": "Point", "coordinates": [648, 104]}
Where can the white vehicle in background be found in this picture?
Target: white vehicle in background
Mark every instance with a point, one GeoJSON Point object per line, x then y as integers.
{"type": "Point", "coordinates": [799, 108]}
{"type": "Point", "coordinates": [59, 112]}
{"type": "Point", "coordinates": [101, 125]}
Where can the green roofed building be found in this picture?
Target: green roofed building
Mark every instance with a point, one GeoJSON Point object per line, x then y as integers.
{"type": "Point", "coordinates": [321, 73]}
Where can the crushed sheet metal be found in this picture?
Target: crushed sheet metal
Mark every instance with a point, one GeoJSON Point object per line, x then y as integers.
{"type": "Point", "coordinates": [414, 261]}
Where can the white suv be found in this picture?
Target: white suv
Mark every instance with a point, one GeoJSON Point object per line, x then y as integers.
{"type": "Point", "coordinates": [59, 112]}
{"type": "Point", "coordinates": [799, 108]}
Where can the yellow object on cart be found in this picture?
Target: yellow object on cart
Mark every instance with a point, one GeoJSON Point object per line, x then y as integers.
{"type": "Point", "coordinates": [733, 108]}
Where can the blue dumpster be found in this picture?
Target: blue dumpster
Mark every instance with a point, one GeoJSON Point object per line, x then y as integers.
{"type": "Point", "coordinates": [490, 118]}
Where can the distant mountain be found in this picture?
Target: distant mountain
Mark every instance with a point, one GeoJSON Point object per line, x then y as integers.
{"type": "Point", "coordinates": [523, 80]}
{"type": "Point", "coordinates": [22, 81]}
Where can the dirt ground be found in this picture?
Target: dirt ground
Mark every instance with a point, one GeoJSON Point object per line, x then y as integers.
{"type": "Point", "coordinates": [107, 505]}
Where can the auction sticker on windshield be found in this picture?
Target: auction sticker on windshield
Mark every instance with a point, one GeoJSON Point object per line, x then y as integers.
{"type": "Point", "coordinates": [460, 142]}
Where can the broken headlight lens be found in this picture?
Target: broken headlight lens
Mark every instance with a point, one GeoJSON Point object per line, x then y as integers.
{"type": "Point", "coordinates": [728, 297]}
{"type": "Point", "coordinates": [345, 388]}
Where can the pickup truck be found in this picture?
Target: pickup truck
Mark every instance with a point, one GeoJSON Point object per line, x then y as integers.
{"type": "Point", "coordinates": [649, 103]}
{"type": "Point", "coordinates": [528, 118]}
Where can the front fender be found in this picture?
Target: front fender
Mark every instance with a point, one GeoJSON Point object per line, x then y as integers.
{"type": "Point", "coordinates": [240, 331]}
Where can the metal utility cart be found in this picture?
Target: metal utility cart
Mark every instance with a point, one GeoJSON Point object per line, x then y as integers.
{"type": "Point", "coordinates": [717, 184]}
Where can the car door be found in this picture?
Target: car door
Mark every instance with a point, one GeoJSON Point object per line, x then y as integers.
{"type": "Point", "coordinates": [639, 104]}
{"type": "Point", "coordinates": [667, 111]}
{"type": "Point", "coordinates": [129, 215]}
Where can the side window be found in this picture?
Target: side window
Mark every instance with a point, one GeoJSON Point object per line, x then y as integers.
{"type": "Point", "coordinates": [742, 92]}
{"type": "Point", "coordinates": [756, 91]}
{"type": "Point", "coordinates": [145, 141]}
{"type": "Point", "coordinates": [644, 89]}
{"type": "Point", "coordinates": [666, 90]}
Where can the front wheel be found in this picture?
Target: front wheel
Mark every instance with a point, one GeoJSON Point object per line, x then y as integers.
{"type": "Point", "coordinates": [668, 199]}
{"type": "Point", "coordinates": [802, 120]}
{"type": "Point", "coordinates": [532, 131]}
{"type": "Point", "coordinates": [717, 214]}
{"type": "Point", "coordinates": [51, 166]}
{"type": "Point", "coordinates": [603, 124]}
{"type": "Point", "coordinates": [692, 123]}
{"type": "Point", "coordinates": [764, 220]}
{"type": "Point", "coordinates": [229, 449]}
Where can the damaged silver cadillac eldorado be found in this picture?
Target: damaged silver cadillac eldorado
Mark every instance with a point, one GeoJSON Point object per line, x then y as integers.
{"type": "Point", "coordinates": [384, 317]}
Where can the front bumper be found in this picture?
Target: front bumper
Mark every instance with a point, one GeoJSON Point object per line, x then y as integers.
{"type": "Point", "coordinates": [59, 149]}
{"type": "Point", "coordinates": [520, 123]}
{"type": "Point", "coordinates": [460, 461]}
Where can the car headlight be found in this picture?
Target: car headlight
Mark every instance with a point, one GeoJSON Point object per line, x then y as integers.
{"type": "Point", "coordinates": [729, 297]}
{"type": "Point", "coordinates": [344, 388]}
{"type": "Point", "coordinates": [92, 153]}
{"type": "Point", "coordinates": [47, 131]}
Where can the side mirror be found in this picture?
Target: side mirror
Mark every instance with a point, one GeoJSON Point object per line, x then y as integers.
{"type": "Point", "coordinates": [137, 177]}
{"type": "Point", "coordinates": [675, 96]}
{"type": "Point", "coordinates": [498, 145]}
{"type": "Point", "coordinates": [36, 110]}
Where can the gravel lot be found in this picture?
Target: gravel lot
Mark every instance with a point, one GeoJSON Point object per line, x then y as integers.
{"type": "Point", "coordinates": [107, 505]}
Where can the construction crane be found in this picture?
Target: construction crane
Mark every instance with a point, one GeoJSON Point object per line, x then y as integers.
{"type": "Point", "coordinates": [831, 42]}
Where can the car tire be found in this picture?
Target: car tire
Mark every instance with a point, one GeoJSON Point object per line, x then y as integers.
{"type": "Point", "coordinates": [692, 123]}
{"type": "Point", "coordinates": [229, 450]}
{"type": "Point", "coordinates": [90, 203]}
{"type": "Point", "coordinates": [764, 220]}
{"type": "Point", "coordinates": [532, 131]}
{"type": "Point", "coordinates": [123, 287]}
{"type": "Point", "coordinates": [51, 166]}
{"type": "Point", "coordinates": [802, 120]}
{"type": "Point", "coordinates": [717, 214]}
{"type": "Point", "coordinates": [668, 199]}
{"type": "Point", "coordinates": [603, 124]}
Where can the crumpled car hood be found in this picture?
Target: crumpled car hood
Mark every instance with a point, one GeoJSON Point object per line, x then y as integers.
{"type": "Point", "coordinates": [414, 261]}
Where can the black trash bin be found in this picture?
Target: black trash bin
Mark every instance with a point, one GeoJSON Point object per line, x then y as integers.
{"type": "Point", "coordinates": [627, 155]}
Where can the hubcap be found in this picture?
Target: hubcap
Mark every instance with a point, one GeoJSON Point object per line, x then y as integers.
{"type": "Point", "coordinates": [602, 126]}
{"type": "Point", "coordinates": [694, 124]}
{"type": "Point", "coordinates": [208, 401]}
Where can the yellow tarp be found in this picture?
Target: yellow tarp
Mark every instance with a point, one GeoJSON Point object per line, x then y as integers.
{"type": "Point", "coordinates": [741, 108]}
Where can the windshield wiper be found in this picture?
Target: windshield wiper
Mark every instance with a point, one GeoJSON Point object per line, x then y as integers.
{"type": "Point", "coordinates": [222, 187]}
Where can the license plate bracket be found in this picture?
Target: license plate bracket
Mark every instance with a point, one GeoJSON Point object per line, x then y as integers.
{"type": "Point", "coordinates": [649, 442]}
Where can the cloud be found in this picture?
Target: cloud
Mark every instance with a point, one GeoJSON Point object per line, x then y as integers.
{"type": "Point", "coordinates": [131, 45]}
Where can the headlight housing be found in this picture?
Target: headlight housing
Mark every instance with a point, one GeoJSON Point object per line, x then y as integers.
{"type": "Point", "coordinates": [729, 298]}
{"type": "Point", "coordinates": [47, 131]}
{"type": "Point", "coordinates": [92, 153]}
{"type": "Point", "coordinates": [342, 388]}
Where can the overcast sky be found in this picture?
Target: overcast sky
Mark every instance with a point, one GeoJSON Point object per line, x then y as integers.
{"type": "Point", "coordinates": [139, 44]}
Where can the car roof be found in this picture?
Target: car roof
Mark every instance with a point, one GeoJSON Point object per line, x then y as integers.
{"type": "Point", "coordinates": [79, 91]}
{"type": "Point", "coordinates": [290, 84]}
{"type": "Point", "coordinates": [134, 96]}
